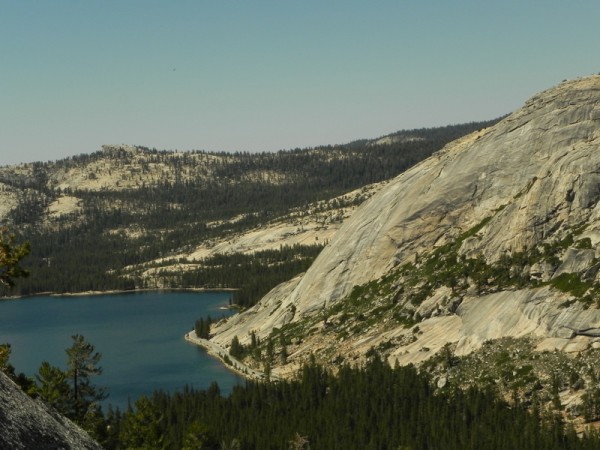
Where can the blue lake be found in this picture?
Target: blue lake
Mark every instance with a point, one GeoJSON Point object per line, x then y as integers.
{"type": "Point", "coordinates": [139, 335]}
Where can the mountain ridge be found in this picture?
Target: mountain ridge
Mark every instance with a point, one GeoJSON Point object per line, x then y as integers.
{"type": "Point", "coordinates": [162, 207]}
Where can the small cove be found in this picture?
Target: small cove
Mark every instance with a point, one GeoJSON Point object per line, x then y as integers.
{"type": "Point", "coordinates": [140, 337]}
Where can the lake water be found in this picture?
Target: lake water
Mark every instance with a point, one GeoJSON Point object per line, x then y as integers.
{"type": "Point", "coordinates": [139, 335]}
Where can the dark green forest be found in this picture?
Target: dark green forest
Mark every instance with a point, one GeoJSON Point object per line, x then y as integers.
{"type": "Point", "coordinates": [375, 407]}
{"type": "Point", "coordinates": [92, 251]}
{"type": "Point", "coordinates": [255, 274]}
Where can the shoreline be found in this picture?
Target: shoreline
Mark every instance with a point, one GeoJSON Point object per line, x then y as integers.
{"type": "Point", "coordinates": [229, 362]}
{"type": "Point", "coordinates": [114, 292]}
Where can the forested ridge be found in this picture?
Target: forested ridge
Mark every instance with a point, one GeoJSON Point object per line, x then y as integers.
{"type": "Point", "coordinates": [159, 203]}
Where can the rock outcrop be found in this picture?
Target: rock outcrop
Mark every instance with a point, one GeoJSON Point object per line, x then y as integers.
{"type": "Point", "coordinates": [29, 424]}
{"type": "Point", "coordinates": [535, 179]}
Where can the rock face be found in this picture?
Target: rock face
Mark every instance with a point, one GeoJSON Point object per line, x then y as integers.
{"type": "Point", "coordinates": [29, 424]}
{"type": "Point", "coordinates": [535, 178]}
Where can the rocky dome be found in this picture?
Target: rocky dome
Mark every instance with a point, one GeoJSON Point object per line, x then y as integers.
{"type": "Point", "coordinates": [535, 179]}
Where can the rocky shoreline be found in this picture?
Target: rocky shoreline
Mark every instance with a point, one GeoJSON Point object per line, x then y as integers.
{"type": "Point", "coordinates": [231, 363]}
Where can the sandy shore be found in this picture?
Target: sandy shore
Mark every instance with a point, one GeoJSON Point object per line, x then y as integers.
{"type": "Point", "coordinates": [220, 353]}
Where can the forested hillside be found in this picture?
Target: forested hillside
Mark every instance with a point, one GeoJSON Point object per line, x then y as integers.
{"type": "Point", "coordinates": [90, 218]}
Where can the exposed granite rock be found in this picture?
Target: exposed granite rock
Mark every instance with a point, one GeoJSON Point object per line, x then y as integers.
{"type": "Point", "coordinates": [575, 260]}
{"type": "Point", "coordinates": [534, 175]}
{"type": "Point", "coordinates": [29, 424]}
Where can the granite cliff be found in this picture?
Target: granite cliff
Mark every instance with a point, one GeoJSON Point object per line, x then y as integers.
{"type": "Point", "coordinates": [495, 235]}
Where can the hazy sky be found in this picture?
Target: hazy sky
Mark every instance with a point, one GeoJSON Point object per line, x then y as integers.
{"type": "Point", "coordinates": [269, 75]}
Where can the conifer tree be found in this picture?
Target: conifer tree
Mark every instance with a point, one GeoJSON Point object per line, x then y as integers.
{"type": "Point", "coordinates": [52, 387]}
{"type": "Point", "coordinates": [82, 364]}
{"type": "Point", "coordinates": [10, 258]}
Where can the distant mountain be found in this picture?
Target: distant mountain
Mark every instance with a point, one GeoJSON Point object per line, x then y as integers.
{"type": "Point", "coordinates": [494, 237]}
{"type": "Point", "coordinates": [130, 217]}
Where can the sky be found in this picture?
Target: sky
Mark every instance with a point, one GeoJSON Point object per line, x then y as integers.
{"type": "Point", "coordinates": [229, 75]}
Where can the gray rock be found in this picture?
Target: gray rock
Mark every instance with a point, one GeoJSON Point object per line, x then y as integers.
{"type": "Point", "coordinates": [29, 424]}
{"type": "Point", "coordinates": [575, 261]}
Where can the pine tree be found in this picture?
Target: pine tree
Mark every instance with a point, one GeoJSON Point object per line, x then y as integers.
{"type": "Point", "coordinates": [52, 387]}
{"type": "Point", "coordinates": [10, 258]}
{"type": "Point", "coordinates": [142, 428]}
{"type": "Point", "coordinates": [236, 350]}
{"type": "Point", "coordinates": [82, 364]}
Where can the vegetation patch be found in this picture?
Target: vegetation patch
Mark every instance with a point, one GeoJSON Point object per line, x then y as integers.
{"type": "Point", "coordinates": [571, 283]}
